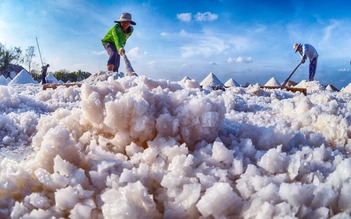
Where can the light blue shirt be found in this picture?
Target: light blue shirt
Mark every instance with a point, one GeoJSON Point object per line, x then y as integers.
{"type": "Point", "coordinates": [309, 51]}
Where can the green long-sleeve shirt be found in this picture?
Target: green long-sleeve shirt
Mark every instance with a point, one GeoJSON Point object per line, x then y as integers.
{"type": "Point", "coordinates": [117, 36]}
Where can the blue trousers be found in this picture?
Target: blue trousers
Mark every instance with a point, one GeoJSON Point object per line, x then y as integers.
{"type": "Point", "coordinates": [114, 56]}
{"type": "Point", "coordinates": [312, 69]}
{"type": "Point", "coordinates": [43, 76]}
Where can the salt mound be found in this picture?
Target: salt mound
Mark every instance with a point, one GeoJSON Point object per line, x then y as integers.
{"type": "Point", "coordinates": [186, 82]}
{"type": "Point", "coordinates": [347, 89]}
{"type": "Point", "coordinates": [50, 78]}
{"type": "Point", "coordinates": [211, 80]}
{"type": "Point", "coordinates": [272, 82]}
{"type": "Point", "coordinates": [156, 150]}
{"type": "Point", "coordinates": [3, 80]}
{"type": "Point", "coordinates": [185, 79]}
{"type": "Point", "coordinates": [231, 83]}
{"type": "Point", "coordinates": [329, 88]}
{"type": "Point", "coordinates": [311, 86]}
{"type": "Point", "coordinates": [126, 113]}
{"type": "Point", "coordinates": [23, 77]}
{"type": "Point", "coordinates": [102, 76]}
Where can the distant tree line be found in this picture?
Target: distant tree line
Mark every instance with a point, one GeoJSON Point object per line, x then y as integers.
{"type": "Point", "coordinates": [63, 75]}
{"type": "Point", "coordinates": [10, 60]}
{"type": "Point", "coordinates": [9, 57]}
{"type": "Point", "coordinates": [67, 76]}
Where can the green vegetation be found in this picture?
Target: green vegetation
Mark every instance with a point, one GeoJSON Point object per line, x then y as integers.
{"type": "Point", "coordinates": [8, 57]}
{"type": "Point", "coordinates": [66, 76]}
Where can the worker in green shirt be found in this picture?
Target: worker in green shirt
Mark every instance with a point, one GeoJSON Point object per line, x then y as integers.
{"type": "Point", "coordinates": [115, 40]}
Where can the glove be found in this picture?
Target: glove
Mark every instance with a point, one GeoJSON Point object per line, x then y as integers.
{"type": "Point", "coordinates": [121, 51]}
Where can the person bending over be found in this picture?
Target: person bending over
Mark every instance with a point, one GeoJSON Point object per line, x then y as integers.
{"type": "Point", "coordinates": [308, 51]}
{"type": "Point", "coordinates": [115, 40]}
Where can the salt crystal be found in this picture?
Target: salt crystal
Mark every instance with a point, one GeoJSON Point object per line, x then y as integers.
{"type": "Point", "coordinates": [131, 201]}
{"type": "Point", "coordinates": [344, 201]}
{"type": "Point", "coordinates": [38, 200]}
{"type": "Point", "coordinates": [61, 200]}
{"type": "Point", "coordinates": [273, 161]}
{"type": "Point", "coordinates": [81, 211]}
{"type": "Point", "coordinates": [296, 193]}
{"type": "Point", "coordinates": [63, 167]}
{"type": "Point", "coordinates": [40, 213]}
{"type": "Point", "coordinates": [324, 195]}
{"type": "Point", "coordinates": [237, 167]}
{"type": "Point", "coordinates": [19, 209]}
{"type": "Point", "coordinates": [219, 201]}
{"type": "Point", "coordinates": [220, 153]}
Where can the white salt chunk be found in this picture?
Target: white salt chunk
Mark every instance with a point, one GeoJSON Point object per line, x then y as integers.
{"type": "Point", "coordinates": [219, 201]}
{"type": "Point", "coordinates": [274, 161]}
{"type": "Point", "coordinates": [220, 153]}
{"type": "Point", "coordinates": [66, 198]}
{"type": "Point", "coordinates": [81, 211]}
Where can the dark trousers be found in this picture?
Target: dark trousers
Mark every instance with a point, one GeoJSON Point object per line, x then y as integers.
{"type": "Point", "coordinates": [43, 76]}
{"type": "Point", "coordinates": [313, 67]}
{"type": "Point", "coordinates": [114, 56]}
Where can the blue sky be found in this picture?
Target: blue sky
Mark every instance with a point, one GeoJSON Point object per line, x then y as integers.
{"type": "Point", "coordinates": [250, 41]}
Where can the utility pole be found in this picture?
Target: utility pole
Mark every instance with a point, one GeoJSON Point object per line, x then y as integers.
{"type": "Point", "coordinates": [39, 52]}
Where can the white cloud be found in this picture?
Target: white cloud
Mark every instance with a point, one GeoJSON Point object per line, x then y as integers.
{"type": "Point", "coordinates": [136, 52]}
{"type": "Point", "coordinates": [209, 44]}
{"type": "Point", "coordinates": [186, 17]}
{"type": "Point", "coordinates": [344, 70]}
{"type": "Point", "coordinates": [230, 60]}
{"type": "Point", "coordinates": [240, 59]}
{"type": "Point", "coordinates": [99, 53]}
{"type": "Point", "coordinates": [207, 16]}
{"type": "Point", "coordinates": [203, 45]}
{"type": "Point", "coordinates": [152, 63]}
{"type": "Point", "coordinates": [239, 43]}
{"type": "Point", "coordinates": [329, 30]}
{"type": "Point", "coordinates": [155, 65]}
{"type": "Point", "coordinates": [212, 63]}
{"type": "Point", "coordinates": [186, 65]}
{"type": "Point", "coordinates": [183, 33]}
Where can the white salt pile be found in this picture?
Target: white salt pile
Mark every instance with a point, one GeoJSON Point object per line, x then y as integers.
{"type": "Point", "coordinates": [231, 83]}
{"type": "Point", "coordinates": [3, 80]}
{"type": "Point", "coordinates": [211, 80]}
{"type": "Point", "coordinates": [272, 82]}
{"type": "Point", "coordinates": [347, 89]}
{"type": "Point", "coordinates": [51, 79]}
{"type": "Point", "coordinates": [142, 148]}
{"type": "Point", "coordinates": [23, 77]}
